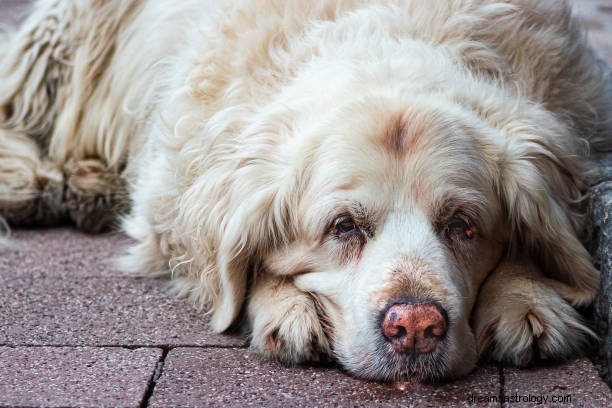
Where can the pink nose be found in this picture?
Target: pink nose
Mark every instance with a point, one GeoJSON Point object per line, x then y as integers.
{"type": "Point", "coordinates": [414, 328]}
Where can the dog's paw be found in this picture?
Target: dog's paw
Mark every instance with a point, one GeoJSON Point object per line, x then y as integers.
{"type": "Point", "coordinates": [94, 195]}
{"type": "Point", "coordinates": [32, 197]}
{"type": "Point", "coordinates": [525, 327]}
{"type": "Point", "coordinates": [285, 325]}
{"type": "Point", "coordinates": [31, 189]}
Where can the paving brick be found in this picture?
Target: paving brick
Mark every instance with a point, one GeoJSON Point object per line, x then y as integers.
{"type": "Point", "coordinates": [235, 377]}
{"type": "Point", "coordinates": [75, 377]}
{"type": "Point", "coordinates": [13, 11]}
{"type": "Point", "coordinates": [94, 311]}
{"type": "Point", "coordinates": [577, 382]}
{"type": "Point", "coordinates": [62, 252]}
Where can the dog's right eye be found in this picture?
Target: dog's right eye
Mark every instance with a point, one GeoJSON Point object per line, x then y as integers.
{"type": "Point", "coordinates": [345, 226]}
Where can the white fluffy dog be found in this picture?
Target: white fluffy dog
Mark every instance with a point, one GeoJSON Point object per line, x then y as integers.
{"type": "Point", "coordinates": [395, 184]}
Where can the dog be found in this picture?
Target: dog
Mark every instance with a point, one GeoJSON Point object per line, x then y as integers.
{"type": "Point", "coordinates": [395, 185]}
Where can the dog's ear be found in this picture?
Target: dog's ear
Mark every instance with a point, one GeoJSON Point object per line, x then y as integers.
{"type": "Point", "coordinates": [543, 190]}
{"type": "Point", "coordinates": [258, 221]}
{"type": "Point", "coordinates": [232, 269]}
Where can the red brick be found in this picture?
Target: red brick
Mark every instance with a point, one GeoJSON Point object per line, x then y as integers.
{"type": "Point", "coordinates": [96, 311]}
{"type": "Point", "coordinates": [78, 377]}
{"type": "Point", "coordinates": [62, 252]}
{"type": "Point", "coordinates": [235, 377]}
{"type": "Point", "coordinates": [578, 380]}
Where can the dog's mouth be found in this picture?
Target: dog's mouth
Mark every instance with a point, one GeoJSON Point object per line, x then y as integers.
{"type": "Point", "coordinates": [430, 367]}
{"type": "Point", "coordinates": [387, 365]}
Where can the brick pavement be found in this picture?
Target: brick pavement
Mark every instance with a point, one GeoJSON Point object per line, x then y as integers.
{"type": "Point", "coordinates": [75, 332]}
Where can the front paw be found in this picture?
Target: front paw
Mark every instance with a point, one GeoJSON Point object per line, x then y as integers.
{"type": "Point", "coordinates": [94, 195]}
{"type": "Point", "coordinates": [286, 327]}
{"type": "Point", "coordinates": [522, 327]}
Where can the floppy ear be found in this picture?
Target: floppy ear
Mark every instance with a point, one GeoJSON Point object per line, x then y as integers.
{"type": "Point", "coordinates": [258, 221]}
{"type": "Point", "coordinates": [542, 188]}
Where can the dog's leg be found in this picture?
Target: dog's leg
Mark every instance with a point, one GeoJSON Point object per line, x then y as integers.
{"type": "Point", "coordinates": [31, 186]}
{"type": "Point", "coordinates": [519, 317]}
{"type": "Point", "coordinates": [31, 189]}
{"type": "Point", "coordinates": [285, 323]}
{"type": "Point", "coordinates": [49, 69]}
{"type": "Point", "coordinates": [35, 191]}
{"type": "Point", "coordinates": [95, 196]}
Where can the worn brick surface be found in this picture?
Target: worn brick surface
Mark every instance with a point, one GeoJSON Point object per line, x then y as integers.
{"type": "Point", "coordinates": [62, 252]}
{"type": "Point", "coordinates": [79, 311]}
{"type": "Point", "coordinates": [13, 11]}
{"type": "Point", "coordinates": [62, 288]}
{"type": "Point", "coordinates": [235, 377]}
{"type": "Point", "coordinates": [75, 377]}
{"type": "Point", "coordinates": [577, 383]}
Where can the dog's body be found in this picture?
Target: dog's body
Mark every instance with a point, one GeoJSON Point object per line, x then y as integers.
{"type": "Point", "coordinates": [397, 184]}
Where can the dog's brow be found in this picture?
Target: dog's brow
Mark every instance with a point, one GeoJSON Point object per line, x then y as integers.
{"type": "Point", "coordinates": [470, 202]}
{"type": "Point", "coordinates": [395, 137]}
{"type": "Point", "coordinates": [403, 133]}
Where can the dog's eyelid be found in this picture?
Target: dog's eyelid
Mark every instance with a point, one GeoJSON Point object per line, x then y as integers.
{"type": "Point", "coordinates": [334, 220]}
{"type": "Point", "coordinates": [345, 224]}
{"type": "Point", "coordinates": [467, 211]}
{"type": "Point", "coordinates": [463, 216]}
{"type": "Point", "coordinates": [359, 217]}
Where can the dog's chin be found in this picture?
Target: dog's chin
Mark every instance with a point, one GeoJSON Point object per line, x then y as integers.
{"type": "Point", "coordinates": [388, 365]}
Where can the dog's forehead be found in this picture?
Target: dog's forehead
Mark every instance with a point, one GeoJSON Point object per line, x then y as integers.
{"type": "Point", "coordinates": [399, 136]}
{"type": "Point", "coordinates": [408, 131]}
{"type": "Point", "coordinates": [400, 150]}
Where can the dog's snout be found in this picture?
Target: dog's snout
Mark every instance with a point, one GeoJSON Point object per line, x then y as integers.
{"type": "Point", "coordinates": [414, 328]}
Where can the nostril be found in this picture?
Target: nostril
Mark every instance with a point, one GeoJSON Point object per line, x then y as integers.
{"type": "Point", "coordinates": [393, 327]}
{"type": "Point", "coordinates": [429, 332]}
{"type": "Point", "coordinates": [401, 331]}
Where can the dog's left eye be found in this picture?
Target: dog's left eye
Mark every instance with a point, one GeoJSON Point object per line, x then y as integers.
{"type": "Point", "coordinates": [345, 226]}
{"type": "Point", "coordinates": [459, 227]}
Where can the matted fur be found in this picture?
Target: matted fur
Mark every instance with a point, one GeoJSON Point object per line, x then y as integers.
{"type": "Point", "coordinates": [241, 132]}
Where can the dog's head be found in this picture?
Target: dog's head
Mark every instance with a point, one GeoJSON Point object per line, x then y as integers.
{"type": "Point", "coordinates": [391, 211]}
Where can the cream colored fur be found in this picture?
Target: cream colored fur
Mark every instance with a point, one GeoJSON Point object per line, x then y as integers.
{"type": "Point", "coordinates": [239, 132]}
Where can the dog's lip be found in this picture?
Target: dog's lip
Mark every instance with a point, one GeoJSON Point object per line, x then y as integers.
{"type": "Point", "coordinates": [414, 370]}
{"type": "Point", "coordinates": [407, 369]}
{"type": "Point", "coordinates": [391, 366]}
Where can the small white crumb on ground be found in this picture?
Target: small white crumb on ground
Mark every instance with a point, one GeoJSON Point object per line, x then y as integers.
{"type": "Point", "coordinates": [401, 385]}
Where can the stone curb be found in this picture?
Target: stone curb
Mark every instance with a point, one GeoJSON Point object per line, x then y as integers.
{"type": "Point", "coordinates": [600, 247]}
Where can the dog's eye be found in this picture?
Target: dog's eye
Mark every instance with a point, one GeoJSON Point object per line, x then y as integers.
{"type": "Point", "coordinates": [345, 226]}
{"type": "Point", "coordinates": [461, 228]}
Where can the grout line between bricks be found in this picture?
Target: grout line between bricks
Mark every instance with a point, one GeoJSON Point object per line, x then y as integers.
{"type": "Point", "coordinates": [159, 368]}
{"type": "Point", "coordinates": [502, 385]}
{"type": "Point", "coordinates": [126, 346]}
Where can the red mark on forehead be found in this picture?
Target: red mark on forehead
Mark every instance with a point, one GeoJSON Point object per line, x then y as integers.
{"type": "Point", "coordinates": [400, 136]}
{"type": "Point", "coordinates": [393, 139]}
